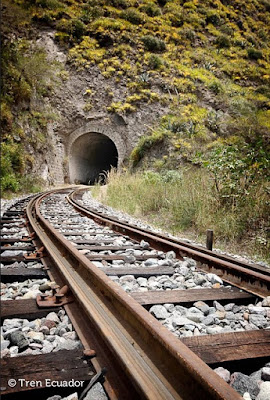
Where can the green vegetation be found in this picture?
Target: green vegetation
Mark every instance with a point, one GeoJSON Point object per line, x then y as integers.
{"type": "Point", "coordinates": [188, 201]}
{"type": "Point", "coordinates": [27, 77]}
{"type": "Point", "coordinates": [206, 65]}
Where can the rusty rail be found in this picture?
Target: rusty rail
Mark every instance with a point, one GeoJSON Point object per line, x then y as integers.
{"type": "Point", "coordinates": [240, 274]}
{"type": "Point", "coordinates": [157, 364]}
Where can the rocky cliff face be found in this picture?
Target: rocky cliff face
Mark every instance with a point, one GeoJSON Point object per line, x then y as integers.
{"type": "Point", "coordinates": [70, 102]}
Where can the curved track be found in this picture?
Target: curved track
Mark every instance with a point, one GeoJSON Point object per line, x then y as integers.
{"type": "Point", "coordinates": [142, 358]}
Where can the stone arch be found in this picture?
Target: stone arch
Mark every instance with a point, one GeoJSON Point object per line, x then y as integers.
{"type": "Point", "coordinates": [92, 149]}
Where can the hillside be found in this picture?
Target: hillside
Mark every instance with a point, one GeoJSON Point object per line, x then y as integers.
{"type": "Point", "coordinates": [189, 80]}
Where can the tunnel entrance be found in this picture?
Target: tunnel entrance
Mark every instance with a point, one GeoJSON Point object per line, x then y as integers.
{"type": "Point", "coordinates": [92, 155]}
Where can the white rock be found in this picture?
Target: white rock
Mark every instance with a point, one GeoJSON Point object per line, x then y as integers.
{"type": "Point", "coordinates": [36, 336]}
{"type": "Point", "coordinates": [266, 302]}
{"type": "Point", "coordinates": [52, 316]}
{"type": "Point", "coordinates": [264, 393]}
{"type": "Point", "coordinates": [159, 312]}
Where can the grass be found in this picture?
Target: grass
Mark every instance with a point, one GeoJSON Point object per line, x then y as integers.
{"type": "Point", "coordinates": [186, 202]}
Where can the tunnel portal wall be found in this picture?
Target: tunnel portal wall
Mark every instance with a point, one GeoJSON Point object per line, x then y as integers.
{"type": "Point", "coordinates": [95, 133]}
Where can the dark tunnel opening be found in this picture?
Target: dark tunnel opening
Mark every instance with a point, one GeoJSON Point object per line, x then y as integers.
{"type": "Point", "coordinates": [91, 156]}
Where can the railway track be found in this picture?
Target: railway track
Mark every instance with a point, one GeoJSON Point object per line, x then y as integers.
{"type": "Point", "coordinates": [151, 338]}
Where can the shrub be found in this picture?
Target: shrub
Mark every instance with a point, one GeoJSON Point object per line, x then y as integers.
{"type": "Point", "coordinates": [176, 19]}
{"type": "Point", "coordinates": [151, 9]}
{"type": "Point", "coordinates": [213, 18]}
{"type": "Point", "coordinates": [223, 41]}
{"type": "Point", "coordinates": [78, 28]}
{"type": "Point", "coordinates": [145, 143]}
{"type": "Point", "coordinates": [216, 87]}
{"type": "Point", "coordinates": [119, 3]}
{"type": "Point", "coordinates": [90, 13]}
{"type": "Point", "coordinates": [155, 62]}
{"type": "Point", "coordinates": [50, 4]}
{"type": "Point", "coordinates": [152, 43]}
{"type": "Point", "coordinates": [133, 15]}
{"type": "Point", "coordinates": [254, 54]}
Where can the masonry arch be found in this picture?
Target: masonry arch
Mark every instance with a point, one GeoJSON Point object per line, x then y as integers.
{"type": "Point", "coordinates": [92, 151]}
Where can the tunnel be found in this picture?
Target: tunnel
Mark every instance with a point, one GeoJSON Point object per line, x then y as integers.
{"type": "Point", "coordinates": [92, 155]}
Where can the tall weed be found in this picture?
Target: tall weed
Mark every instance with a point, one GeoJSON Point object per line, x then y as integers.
{"type": "Point", "coordinates": [189, 202]}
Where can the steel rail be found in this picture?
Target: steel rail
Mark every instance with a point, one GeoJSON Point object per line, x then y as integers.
{"type": "Point", "coordinates": [254, 267]}
{"type": "Point", "coordinates": [158, 364]}
{"type": "Point", "coordinates": [239, 274]}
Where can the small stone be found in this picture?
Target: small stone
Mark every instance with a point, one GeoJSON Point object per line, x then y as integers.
{"type": "Point", "coordinates": [264, 393]}
{"type": "Point", "coordinates": [242, 384]}
{"type": "Point", "coordinates": [142, 282]}
{"type": "Point", "coordinates": [223, 373]}
{"type": "Point", "coordinates": [246, 396]}
{"type": "Point", "coordinates": [44, 287]}
{"type": "Point", "coordinates": [19, 339]}
{"type": "Point", "coordinates": [216, 285]}
{"type": "Point", "coordinates": [165, 263]}
{"type": "Point", "coordinates": [183, 270]}
{"type": "Point", "coordinates": [145, 245]}
{"type": "Point", "coordinates": [229, 307]}
{"type": "Point", "coordinates": [214, 330]}
{"type": "Point", "coordinates": [14, 350]}
{"type": "Point", "coordinates": [257, 310]}
{"type": "Point", "coordinates": [47, 347]}
{"type": "Point", "coordinates": [196, 316]}
{"type": "Point", "coordinates": [202, 306]}
{"type": "Point", "coordinates": [150, 262]}
{"type": "Point", "coordinates": [159, 312]}
{"type": "Point", "coordinates": [209, 320]}
{"type": "Point", "coordinates": [258, 320]}
{"type": "Point", "coordinates": [31, 294]}
{"type": "Point", "coordinates": [266, 302]}
{"type": "Point", "coordinates": [213, 278]}
{"type": "Point", "coordinates": [48, 324]}
{"type": "Point", "coordinates": [169, 307]}
{"type": "Point", "coordinates": [220, 314]}
{"type": "Point", "coordinates": [189, 262]}
{"type": "Point", "coordinates": [70, 335]}
{"type": "Point", "coordinates": [52, 316]}
{"type": "Point", "coordinates": [45, 330]}
{"type": "Point", "coordinates": [218, 306]}
{"type": "Point", "coordinates": [171, 255]}
{"type": "Point", "coordinates": [65, 344]}
{"type": "Point", "coordinates": [73, 396]}
{"type": "Point", "coordinates": [4, 344]}
{"type": "Point", "coordinates": [181, 321]}
{"type": "Point", "coordinates": [36, 336]}
{"type": "Point", "coordinates": [35, 346]}
{"type": "Point", "coordinates": [266, 373]}
{"type": "Point", "coordinates": [230, 316]}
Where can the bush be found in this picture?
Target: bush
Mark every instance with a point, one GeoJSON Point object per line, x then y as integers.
{"type": "Point", "coordinates": [145, 143]}
{"type": "Point", "coordinates": [133, 15]}
{"type": "Point", "coordinates": [78, 28]}
{"type": "Point", "coordinates": [50, 4]}
{"type": "Point", "coordinates": [216, 87]}
{"type": "Point", "coordinates": [223, 41]}
{"type": "Point", "coordinates": [152, 43]}
{"type": "Point", "coordinates": [151, 9]}
{"type": "Point", "coordinates": [90, 13]}
{"type": "Point", "coordinates": [155, 62]}
{"type": "Point", "coordinates": [254, 54]}
{"type": "Point", "coordinates": [213, 18]}
{"type": "Point", "coordinates": [119, 3]}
